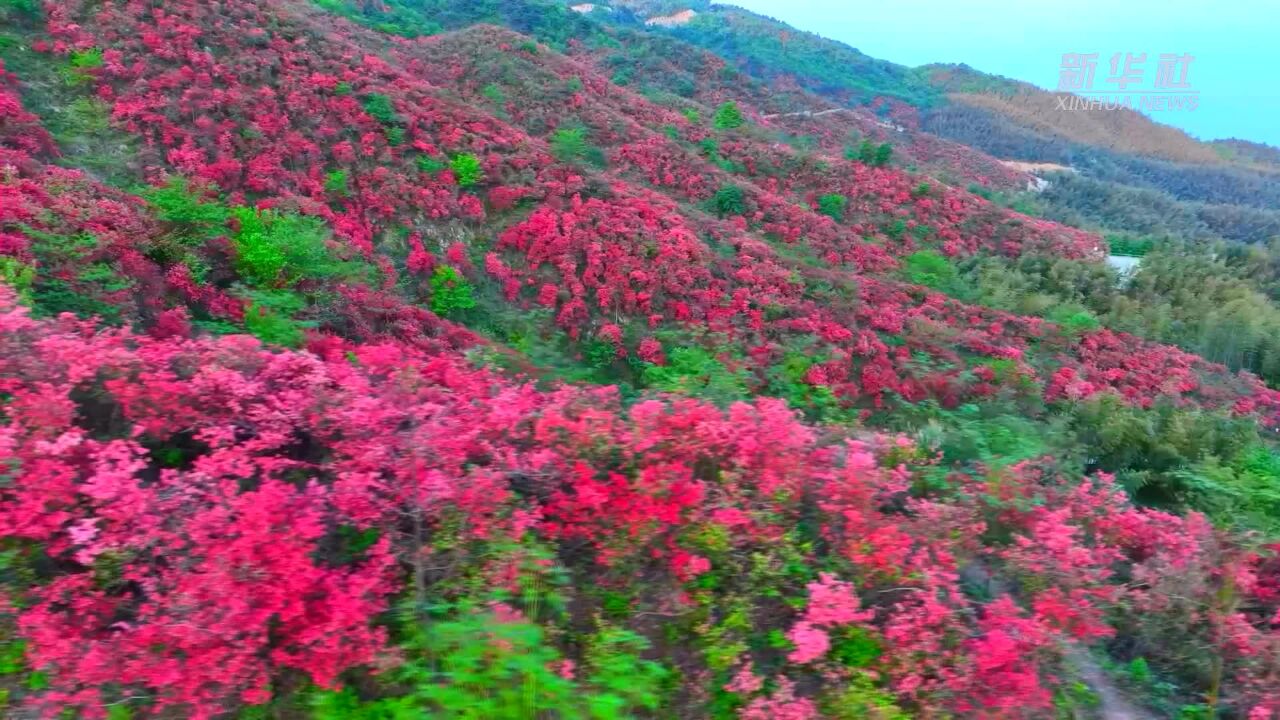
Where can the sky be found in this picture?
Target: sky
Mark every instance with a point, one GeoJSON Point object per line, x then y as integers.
{"type": "Point", "coordinates": [1235, 45]}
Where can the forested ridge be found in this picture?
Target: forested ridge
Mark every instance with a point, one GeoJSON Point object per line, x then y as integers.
{"type": "Point", "coordinates": [420, 358]}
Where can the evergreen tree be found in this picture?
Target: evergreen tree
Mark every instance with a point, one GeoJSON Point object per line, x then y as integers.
{"type": "Point", "coordinates": [883, 153]}
{"type": "Point", "coordinates": [728, 116]}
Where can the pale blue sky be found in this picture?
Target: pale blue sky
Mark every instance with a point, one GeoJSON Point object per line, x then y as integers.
{"type": "Point", "coordinates": [1236, 44]}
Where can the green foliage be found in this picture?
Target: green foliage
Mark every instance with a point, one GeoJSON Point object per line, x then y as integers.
{"type": "Point", "coordinates": [335, 182]}
{"type": "Point", "coordinates": [84, 133]}
{"type": "Point", "coordinates": [693, 371]}
{"type": "Point", "coordinates": [832, 205]}
{"type": "Point", "coordinates": [191, 215]}
{"type": "Point", "coordinates": [692, 115]}
{"type": "Point", "coordinates": [854, 647]}
{"type": "Point", "coordinates": [53, 294]}
{"type": "Point", "coordinates": [862, 700]}
{"type": "Point", "coordinates": [729, 200]}
{"type": "Point", "coordinates": [599, 354]}
{"type": "Point", "coordinates": [86, 59]}
{"type": "Point", "coordinates": [277, 249]}
{"type": "Point", "coordinates": [728, 116]}
{"type": "Point", "coordinates": [622, 680]}
{"type": "Point", "coordinates": [1139, 671]}
{"type": "Point", "coordinates": [352, 543]}
{"type": "Point", "coordinates": [1129, 246]}
{"type": "Point", "coordinates": [473, 665]}
{"type": "Point", "coordinates": [884, 152]}
{"type": "Point", "coordinates": [928, 268]}
{"type": "Point", "coordinates": [990, 433]}
{"type": "Point", "coordinates": [380, 108]}
{"type": "Point", "coordinates": [431, 165]}
{"type": "Point", "coordinates": [980, 191]}
{"type": "Point", "coordinates": [623, 77]}
{"type": "Point", "coordinates": [80, 63]}
{"type": "Point", "coordinates": [19, 276]}
{"type": "Point", "coordinates": [684, 86]}
{"type": "Point", "coordinates": [867, 152]}
{"type": "Point", "coordinates": [269, 318]}
{"type": "Point", "coordinates": [1074, 319]}
{"type": "Point", "coordinates": [467, 170]}
{"type": "Point", "coordinates": [570, 145]}
{"type": "Point", "coordinates": [1183, 458]}
{"type": "Point", "coordinates": [550, 22]}
{"type": "Point", "coordinates": [494, 93]}
{"type": "Point", "coordinates": [786, 380]}
{"type": "Point", "coordinates": [390, 16]}
{"type": "Point", "coordinates": [28, 7]}
{"type": "Point", "coordinates": [769, 49]}
{"type": "Point", "coordinates": [1074, 700]}
{"type": "Point", "coordinates": [1237, 494]}
{"type": "Point", "coordinates": [450, 291]}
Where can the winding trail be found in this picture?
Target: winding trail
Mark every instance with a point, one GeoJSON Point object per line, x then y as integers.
{"type": "Point", "coordinates": [805, 113]}
{"type": "Point", "coordinates": [1113, 703]}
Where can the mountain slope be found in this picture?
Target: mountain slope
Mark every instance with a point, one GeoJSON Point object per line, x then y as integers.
{"type": "Point", "coordinates": [422, 373]}
{"type": "Point", "coordinates": [1121, 151]}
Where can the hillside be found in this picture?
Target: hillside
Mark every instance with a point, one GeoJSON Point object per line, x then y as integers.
{"type": "Point", "coordinates": [1226, 192]}
{"type": "Point", "coordinates": [770, 50]}
{"type": "Point", "coordinates": [500, 360]}
{"type": "Point", "coordinates": [1036, 110]}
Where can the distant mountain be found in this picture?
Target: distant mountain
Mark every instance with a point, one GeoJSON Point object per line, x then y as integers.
{"type": "Point", "coordinates": [770, 50]}
{"type": "Point", "coordinates": [1230, 188]}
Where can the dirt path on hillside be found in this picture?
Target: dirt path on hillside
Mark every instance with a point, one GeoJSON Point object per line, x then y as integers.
{"type": "Point", "coordinates": [1113, 703]}
{"type": "Point", "coordinates": [804, 113]}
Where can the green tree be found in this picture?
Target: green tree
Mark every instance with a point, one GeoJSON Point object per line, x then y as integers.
{"type": "Point", "coordinates": [883, 153]}
{"type": "Point", "coordinates": [19, 276]}
{"type": "Point", "coordinates": [466, 168]}
{"type": "Point", "coordinates": [475, 666]}
{"type": "Point", "coordinates": [832, 205]}
{"type": "Point", "coordinates": [450, 291]}
{"type": "Point", "coordinates": [728, 116]}
{"type": "Point", "coordinates": [336, 182]}
{"type": "Point", "coordinates": [696, 372]}
{"type": "Point", "coordinates": [729, 200]}
{"type": "Point", "coordinates": [571, 145]}
{"type": "Point", "coordinates": [86, 59]}
{"type": "Point", "coordinates": [494, 93]}
{"type": "Point", "coordinates": [930, 269]}
{"type": "Point", "coordinates": [276, 249]}
{"type": "Point", "coordinates": [381, 108]}
{"type": "Point", "coordinates": [269, 318]}
{"type": "Point", "coordinates": [191, 215]}
{"type": "Point", "coordinates": [867, 152]}
{"type": "Point", "coordinates": [431, 165]}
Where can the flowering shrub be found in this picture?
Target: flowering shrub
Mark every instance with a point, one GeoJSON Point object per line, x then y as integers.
{"type": "Point", "coordinates": [358, 517]}
{"type": "Point", "coordinates": [204, 450]}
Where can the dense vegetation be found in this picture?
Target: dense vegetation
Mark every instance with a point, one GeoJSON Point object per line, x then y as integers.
{"type": "Point", "coordinates": [767, 49]}
{"type": "Point", "coordinates": [357, 361]}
